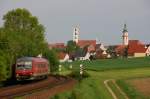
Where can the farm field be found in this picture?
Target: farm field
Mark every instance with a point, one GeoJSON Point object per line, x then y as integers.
{"type": "Point", "coordinates": [141, 85]}
{"type": "Point", "coordinates": [93, 86]}
{"type": "Point", "coordinates": [106, 64]}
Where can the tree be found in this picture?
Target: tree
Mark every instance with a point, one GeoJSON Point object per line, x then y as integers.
{"type": "Point", "coordinates": [125, 52]}
{"type": "Point", "coordinates": [112, 52]}
{"type": "Point", "coordinates": [21, 35]}
{"type": "Point", "coordinates": [4, 67]}
{"type": "Point", "coordinates": [53, 59]}
{"type": "Point", "coordinates": [25, 33]}
{"type": "Point", "coordinates": [3, 39]}
{"type": "Point", "coordinates": [71, 46]}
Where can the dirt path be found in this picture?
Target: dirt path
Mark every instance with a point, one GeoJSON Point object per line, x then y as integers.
{"type": "Point", "coordinates": [111, 91]}
{"type": "Point", "coordinates": [124, 94]}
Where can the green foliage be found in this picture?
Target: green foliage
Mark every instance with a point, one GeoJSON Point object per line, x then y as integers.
{"type": "Point", "coordinates": [4, 69]}
{"type": "Point", "coordinates": [21, 20]}
{"type": "Point", "coordinates": [111, 51]}
{"type": "Point", "coordinates": [76, 74]}
{"type": "Point", "coordinates": [65, 95]}
{"type": "Point", "coordinates": [24, 33]}
{"type": "Point", "coordinates": [71, 46]}
{"type": "Point", "coordinates": [87, 89]}
{"type": "Point", "coordinates": [131, 92]}
{"type": "Point", "coordinates": [3, 39]}
{"type": "Point", "coordinates": [21, 35]}
{"type": "Point", "coordinates": [53, 59]}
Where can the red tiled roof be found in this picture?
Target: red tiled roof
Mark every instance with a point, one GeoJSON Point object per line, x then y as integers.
{"type": "Point", "coordinates": [61, 55]}
{"type": "Point", "coordinates": [135, 46]}
{"type": "Point", "coordinates": [135, 42]}
{"type": "Point", "coordinates": [83, 43]}
{"type": "Point", "coordinates": [120, 49]}
{"type": "Point", "coordinates": [57, 45]}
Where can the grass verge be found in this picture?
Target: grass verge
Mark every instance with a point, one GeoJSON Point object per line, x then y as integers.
{"type": "Point", "coordinates": [129, 90]}
{"type": "Point", "coordinates": [88, 88]}
{"type": "Point", "coordinates": [109, 64]}
{"type": "Point", "coordinates": [115, 90]}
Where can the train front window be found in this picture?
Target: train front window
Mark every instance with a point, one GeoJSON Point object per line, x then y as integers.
{"type": "Point", "coordinates": [24, 65]}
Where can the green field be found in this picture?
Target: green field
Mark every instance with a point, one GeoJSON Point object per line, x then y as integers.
{"type": "Point", "coordinates": [106, 64]}
{"type": "Point", "coordinates": [101, 70]}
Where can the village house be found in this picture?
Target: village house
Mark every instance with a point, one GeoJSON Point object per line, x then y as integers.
{"type": "Point", "coordinates": [121, 50]}
{"type": "Point", "coordinates": [131, 48]}
{"type": "Point", "coordinates": [136, 49]}
{"type": "Point", "coordinates": [147, 50]}
{"type": "Point", "coordinates": [90, 44]}
{"type": "Point", "coordinates": [87, 47]}
{"type": "Point", "coordinates": [63, 57]}
{"type": "Point", "coordinates": [101, 52]}
{"type": "Point", "coordinates": [82, 54]}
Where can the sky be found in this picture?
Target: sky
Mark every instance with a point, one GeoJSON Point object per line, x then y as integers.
{"type": "Point", "coordinates": [97, 19]}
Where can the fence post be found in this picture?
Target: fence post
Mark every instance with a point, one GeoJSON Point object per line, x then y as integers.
{"type": "Point", "coordinates": [60, 68]}
{"type": "Point", "coordinates": [70, 66]}
{"type": "Point", "coordinates": [81, 69]}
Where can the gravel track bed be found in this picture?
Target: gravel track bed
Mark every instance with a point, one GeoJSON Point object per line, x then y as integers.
{"type": "Point", "coordinates": [27, 89]}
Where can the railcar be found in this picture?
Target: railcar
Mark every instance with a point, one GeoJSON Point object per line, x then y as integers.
{"type": "Point", "coordinates": [31, 68]}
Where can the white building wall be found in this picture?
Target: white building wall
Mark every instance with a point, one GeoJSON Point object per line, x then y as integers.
{"type": "Point", "coordinates": [125, 38]}
{"type": "Point", "coordinates": [86, 57]}
{"type": "Point", "coordinates": [65, 59]}
{"type": "Point", "coordinates": [139, 54]}
{"type": "Point", "coordinates": [76, 35]}
{"type": "Point", "coordinates": [148, 51]}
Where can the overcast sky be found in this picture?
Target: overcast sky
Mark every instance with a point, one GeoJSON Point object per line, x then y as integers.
{"type": "Point", "coordinates": [102, 19]}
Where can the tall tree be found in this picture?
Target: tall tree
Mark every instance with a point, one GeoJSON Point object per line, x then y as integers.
{"type": "Point", "coordinates": [21, 35]}
{"type": "Point", "coordinates": [71, 46]}
{"type": "Point", "coordinates": [25, 33]}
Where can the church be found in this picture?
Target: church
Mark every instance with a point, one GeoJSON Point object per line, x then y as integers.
{"type": "Point", "coordinates": [90, 44]}
{"type": "Point", "coordinates": [93, 47]}
{"type": "Point", "coordinates": [131, 48]}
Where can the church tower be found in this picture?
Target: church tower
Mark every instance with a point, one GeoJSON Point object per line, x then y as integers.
{"type": "Point", "coordinates": [76, 34]}
{"type": "Point", "coordinates": [125, 35]}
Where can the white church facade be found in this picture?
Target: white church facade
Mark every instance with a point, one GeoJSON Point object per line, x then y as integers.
{"type": "Point", "coordinates": [125, 37]}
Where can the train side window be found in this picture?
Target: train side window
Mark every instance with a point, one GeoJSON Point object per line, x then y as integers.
{"type": "Point", "coordinates": [41, 65]}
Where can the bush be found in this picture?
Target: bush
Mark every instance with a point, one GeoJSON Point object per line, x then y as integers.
{"type": "Point", "coordinates": [3, 66]}
{"type": "Point", "coordinates": [52, 57]}
{"type": "Point", "coordinates": [76, 74]}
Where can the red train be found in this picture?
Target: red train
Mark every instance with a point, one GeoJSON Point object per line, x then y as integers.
{"type": "Point", "coordinates": [30, 68]}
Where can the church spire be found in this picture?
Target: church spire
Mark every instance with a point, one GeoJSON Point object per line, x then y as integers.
{"type": "Point", "coordinates": [125, 38]}
{"type": "Point", "coordinates": [125, 28]}
{"type": "Point", "coordinates": [76, 34]}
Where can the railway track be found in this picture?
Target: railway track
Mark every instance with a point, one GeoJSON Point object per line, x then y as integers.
{"type": "Point", "coordinates": [27, 89]}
